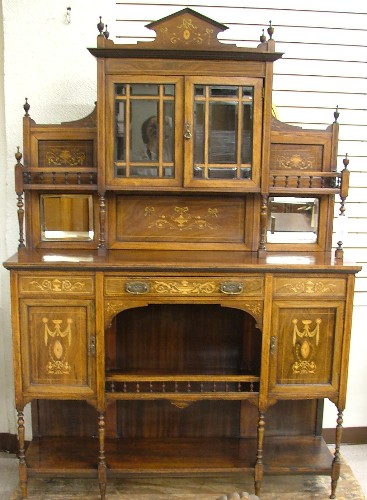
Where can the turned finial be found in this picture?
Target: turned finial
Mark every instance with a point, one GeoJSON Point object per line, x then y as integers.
{"type": "Point", "coordinates": [26, 107]}
{"type": "Point", "coordinates": [263, 37]}
{"type": "Point", "coordinates": [346, 160]}
{"type": "Point", "coordinates": [336, 114]}
{"type": "Point", "coordinates": [106, 33]}
{"type": "Point", "coordinates": [18, 155]}
{"type": "Point", "coordinates": [100, 26]}
{"type": "Point", "coordinates": [270, 30]}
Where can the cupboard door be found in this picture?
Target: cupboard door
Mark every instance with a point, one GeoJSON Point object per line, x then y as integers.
{"type": "Point", "coordinates": [143, 121]}
{"type": "Point", "coordinates": [223, 120]}
{"type": "Point", "coordinates": [305, 349]}
{"type": "Point", "coordinates": [57, 348]}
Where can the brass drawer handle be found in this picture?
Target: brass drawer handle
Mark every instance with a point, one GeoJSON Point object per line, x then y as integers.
{"type": "Point", "coordinates": [137, 287]}
{"type": "Point", "coordinates": [231, 288]}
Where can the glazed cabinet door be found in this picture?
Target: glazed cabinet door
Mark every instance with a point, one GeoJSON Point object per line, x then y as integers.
{"type": "Point", "coordinates": [174, 131]}
{"type": "Point", "coordinates": [143, 123]}
{"type": "Point", "coordinates": [57, 348]}
{"type": "Point", "coordinates": [306, 349]}
{"type": "Point", "coordinates": [222, 132]}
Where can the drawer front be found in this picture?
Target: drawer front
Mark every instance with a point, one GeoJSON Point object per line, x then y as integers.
{"type": "Point", "coordinates": [56, 284]}
{"type": "Point", "coordinates": [216, 287]}
{"type": "Point", "coordinates": [310, 287]}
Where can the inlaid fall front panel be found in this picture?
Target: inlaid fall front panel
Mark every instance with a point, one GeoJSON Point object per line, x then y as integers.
{"type": "Point", "coordinates": [57, 347]}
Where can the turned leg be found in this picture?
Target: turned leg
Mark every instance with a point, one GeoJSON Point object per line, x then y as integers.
{"type": "Point", "coordinates": [102, 468]}
{"type": "Point", "coordinates": [259, 466]}
{"type": "Point", "coordinates": [335, 471]}
{"type": "Point", "coordinates": [21, 452]}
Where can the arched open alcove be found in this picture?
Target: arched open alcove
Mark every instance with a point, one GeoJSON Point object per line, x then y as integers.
{"type": "Point", "coordinates": [184, 338]}
{"type": "Point", "coordinates": [173, 362]}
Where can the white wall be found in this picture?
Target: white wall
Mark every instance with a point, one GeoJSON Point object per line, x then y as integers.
{"type": "Point", "coordinates": [325, 53]}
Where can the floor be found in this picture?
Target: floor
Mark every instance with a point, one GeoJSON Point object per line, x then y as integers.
{"type": "Point", "coordinates": [354, 455]}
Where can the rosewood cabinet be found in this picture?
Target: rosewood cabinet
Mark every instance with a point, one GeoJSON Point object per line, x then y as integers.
{"type": "Point", "coordinates": [176, 304]}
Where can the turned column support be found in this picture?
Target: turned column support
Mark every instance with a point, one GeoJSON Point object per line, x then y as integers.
{"type": "Point", "coordinates": [259, 466]}
{"type": "Point", "coordinates": [335, 470]}
{"type": "Point", "coordinates": [263, 225]}
{"type": "Point", "coordinates": [102, 467]}
{"type": "Point", "coordinates": [19, 189]}
{"type": "Point", "coordinates": [102, 221]}
{"type": "Point", "coordinates": [21, 456]}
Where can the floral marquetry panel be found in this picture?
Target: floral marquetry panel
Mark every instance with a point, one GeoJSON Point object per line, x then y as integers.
{"type": "Point", "coordinates": [149, 220]}
{"type": "Point", "coordinates": [296, 157]}
{"type": "Point", "coordinates": [57, 347]}
{"type": "Point", "coordinates": [306, 347]}
{"type": "Point", "coordinates": [57, 154]}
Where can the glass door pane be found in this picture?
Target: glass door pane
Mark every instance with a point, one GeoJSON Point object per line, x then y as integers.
{"type": "Point", "coordinates": [223, 117]}
{"type": "Point", "coordinates": [223, 124]}
{"type": "Point", "coordinates": [144, 130]}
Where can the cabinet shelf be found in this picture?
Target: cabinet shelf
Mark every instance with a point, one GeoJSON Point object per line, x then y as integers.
{"type": "Point", "coordinates": [48, 456]}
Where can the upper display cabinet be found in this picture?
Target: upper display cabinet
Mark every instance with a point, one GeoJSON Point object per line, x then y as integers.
{"type": "Point", "coordinates": [191, 118]}
{"type": "Point", "coordinates": [174, 118]}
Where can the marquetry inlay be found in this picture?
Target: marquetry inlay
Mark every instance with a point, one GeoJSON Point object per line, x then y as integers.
{"type": "Point", "coordinates": [112, 308]}
{"type": "Point", "coordinates": [305, 342]}
{"type": "Point", "coordinates": [53, 284]}
{"type": "Point", "coordinates": [309, 287]}
{"type": "Point", "coordinates": [256, 310]}
{"type": "Point", "coordinates": [291, 161]}
{"type": "Point", "coordinates": [185, 287]}
{"type": "Point", "coordinates": [188, 32]}
{"type": "Point", "coordinates": [61, 157]}
{"type": "Point", "coordinates": [180, 218]}
{"type": "Point", "coordinates": [58, 341]}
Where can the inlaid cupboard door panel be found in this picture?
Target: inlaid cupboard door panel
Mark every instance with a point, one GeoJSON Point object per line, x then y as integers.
{"type": "Point", "coordinates": [57, 348]}
{"type": "Point", "coordinates": [305, 349]}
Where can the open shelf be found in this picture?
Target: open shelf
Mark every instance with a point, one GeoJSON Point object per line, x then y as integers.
{"type": "Point", "coordinates": [53, 456]}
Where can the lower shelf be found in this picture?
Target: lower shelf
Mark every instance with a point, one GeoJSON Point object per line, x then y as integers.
{"type": "Point", "coordinates": [78, 457]}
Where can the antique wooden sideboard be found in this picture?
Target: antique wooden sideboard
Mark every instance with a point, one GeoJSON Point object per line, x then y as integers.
{"type": "Point", "coordinates": [176, 304]}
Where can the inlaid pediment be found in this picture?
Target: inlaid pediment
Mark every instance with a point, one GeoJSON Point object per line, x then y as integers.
{"type": "Point", "coordinates": [187, 29]}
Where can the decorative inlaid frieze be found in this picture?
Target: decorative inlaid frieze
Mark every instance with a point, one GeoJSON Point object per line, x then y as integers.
{"type": "Point", "coordinates": [180, 218]}
{"type": "Point", "coordinates": [184, 287]}
{"type": "Point", "coordinates": [56, 284]}
{"type": "Point", "coordinates": [309, 287]}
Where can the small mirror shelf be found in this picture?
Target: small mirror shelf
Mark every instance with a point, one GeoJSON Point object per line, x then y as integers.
{"type": "Point", "coordinates": [66, 217]}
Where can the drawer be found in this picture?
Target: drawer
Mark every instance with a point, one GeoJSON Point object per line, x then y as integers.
{"type": "Point", "coordinates": [309, 286]}
{"type": "Point", "coordinates": [56, 284]}
{"type": "Point", "coordinates": [166, 286]}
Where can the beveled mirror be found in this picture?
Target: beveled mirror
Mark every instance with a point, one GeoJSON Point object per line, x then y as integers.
{"type": "Point", "coordinates": [293, 219]}
{"type": "Point", "coordinates": [66, 217]}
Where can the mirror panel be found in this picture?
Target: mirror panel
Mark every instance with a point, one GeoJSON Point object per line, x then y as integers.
{"type": "Point", "coordinates": [293, 219]}
{"type": "Point", "coordinates": [66, 217]}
